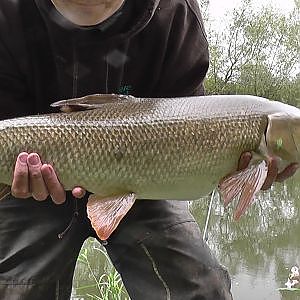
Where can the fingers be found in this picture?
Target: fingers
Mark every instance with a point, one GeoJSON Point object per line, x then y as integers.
{"type": "Point", "coordinates": [38, 187]}
{"type": "Point", "coordinates": [272, 173]}
{"type": "Point", "coordinates": [32, 178]}
{"type": "Point", "coordinates": [289, 171]}
{"type": "Point", "coordinates": [244, 160]}
{"type": "Point", "coordinates": [20, 184]}
{"type": "Point", "coordinates": [54, 187]}
{"type": "Point", "coordinates": [78, 192]}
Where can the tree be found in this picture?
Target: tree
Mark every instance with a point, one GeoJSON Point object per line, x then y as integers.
{"type": "Point", "coordinates": [257, 53]}
{"type": "Point", "coordinates": [204, 4]}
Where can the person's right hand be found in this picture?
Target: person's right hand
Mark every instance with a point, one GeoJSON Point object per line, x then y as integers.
{"type": "Point", "coordinates": [34, 179]}
{"type": "Point", "coordinates": [273, 174]}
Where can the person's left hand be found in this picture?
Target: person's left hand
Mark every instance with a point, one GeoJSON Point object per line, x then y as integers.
{"type": "Point", "coordinates": [273, 174]}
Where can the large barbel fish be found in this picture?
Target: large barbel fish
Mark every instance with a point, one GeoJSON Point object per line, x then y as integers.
{"type": "Point", "coordinates": [122, 148]}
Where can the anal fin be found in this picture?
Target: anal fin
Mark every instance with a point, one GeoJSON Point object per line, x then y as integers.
{"type": "Point", "coordinates": [105, 214]}
{"type": "Point", "coordinates": [243, 184]}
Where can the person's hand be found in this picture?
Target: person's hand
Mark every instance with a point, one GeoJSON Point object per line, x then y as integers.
{"type": "Point", "coordinates": [34, 179]}
{"type": "Point", "coordinates": [273, 174]}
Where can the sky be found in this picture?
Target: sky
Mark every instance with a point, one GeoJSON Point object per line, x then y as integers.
{"type": "Point", "coordinates": [219, 7]}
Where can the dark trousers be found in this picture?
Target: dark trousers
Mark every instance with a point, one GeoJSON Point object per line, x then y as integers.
{"type": "Point", "coordinates": [157, 249]}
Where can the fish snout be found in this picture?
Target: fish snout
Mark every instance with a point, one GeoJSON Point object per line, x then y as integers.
{"type": "Point", "coordinates": [283, 137]}
{"type": "Point", "coordinates": [295, 129]}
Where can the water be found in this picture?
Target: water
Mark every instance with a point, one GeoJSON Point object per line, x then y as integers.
{"type": "Point", "coordinates": [258, 251]}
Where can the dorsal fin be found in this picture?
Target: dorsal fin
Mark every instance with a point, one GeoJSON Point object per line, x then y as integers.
{"type": "Point", "coordinates": [90, 101]}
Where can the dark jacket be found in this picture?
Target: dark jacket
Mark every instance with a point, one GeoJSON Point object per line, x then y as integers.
{"type": "Point", "coordinates": [160, 51]}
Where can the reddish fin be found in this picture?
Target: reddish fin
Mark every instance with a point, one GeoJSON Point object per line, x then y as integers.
{"type": "Point", "coordinates": [4, 190]}
{"type": "Point", "coordinates": [245, 184]}
{"type": "Point", "coordinates": [105, 214]}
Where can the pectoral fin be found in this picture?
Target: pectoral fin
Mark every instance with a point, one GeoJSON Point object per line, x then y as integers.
{"type": "Point", "coordinates": [90, 102]}
{"type": "Point", "coordinates": [105, 214]}
{"type": "Point", "coordinates": [4, 190]}
{"type": "Point", "coordinates": [243, 184]}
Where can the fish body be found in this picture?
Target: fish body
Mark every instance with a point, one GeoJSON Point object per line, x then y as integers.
{"type": "Point", "coordinates": [154, 148]}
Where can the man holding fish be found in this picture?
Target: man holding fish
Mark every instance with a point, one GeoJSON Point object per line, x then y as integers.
{"type": "Point", "coordinates": [60, 49]}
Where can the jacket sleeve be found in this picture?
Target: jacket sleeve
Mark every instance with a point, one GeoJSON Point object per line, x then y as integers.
{"type": "Point", "coordinates": [187, 58]}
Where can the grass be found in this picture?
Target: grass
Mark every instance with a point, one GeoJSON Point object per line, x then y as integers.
{"type": "Point", "coordinates": [103, 284]}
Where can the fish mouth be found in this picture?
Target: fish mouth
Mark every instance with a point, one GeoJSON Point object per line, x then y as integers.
{"type": "Point", "coordinates": [296, 146]}
{"type": "Point", "coordinates": [295, 135]}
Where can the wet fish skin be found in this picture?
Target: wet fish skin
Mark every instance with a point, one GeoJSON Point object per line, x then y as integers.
{"type": "Point", "coordinates": [161, 149]}
{"type": "Point", "coordinates": [156, 148]}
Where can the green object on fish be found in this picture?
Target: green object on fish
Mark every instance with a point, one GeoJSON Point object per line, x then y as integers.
{"type": "Point", "coordinates": [122, 148]}
{"type": "Point", "coordinates": [279, 143]}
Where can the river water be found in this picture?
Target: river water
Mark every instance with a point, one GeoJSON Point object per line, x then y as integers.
{"type": "Point", "coordinates": [258, 251]}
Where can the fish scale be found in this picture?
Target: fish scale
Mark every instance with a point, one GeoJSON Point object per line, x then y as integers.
{"type": "Point", "coordinates": [122, 148]}
{"type": "Point", "coordinates": [143, 144]}
{"type": "Point", "coordinates": [154, 147]}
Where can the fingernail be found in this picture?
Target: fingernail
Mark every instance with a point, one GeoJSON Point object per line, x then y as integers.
{"type": "Point", "coordinates": [49, 169]}
{"type": "Point", "coordinates": [33, 159]}
{"type": "Point", "coordinates": [23, 158]}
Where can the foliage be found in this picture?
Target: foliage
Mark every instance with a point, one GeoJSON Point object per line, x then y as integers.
{"type": "Point", "coordinates": [107, 283]}
{"type": "Point", "coordinates": [204, 4]}
{"type": "Point", "coordinates": [257, 53]}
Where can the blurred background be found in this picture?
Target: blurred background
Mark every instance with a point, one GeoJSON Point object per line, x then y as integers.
{"type": "Point", "coordinates": [255, 49]}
